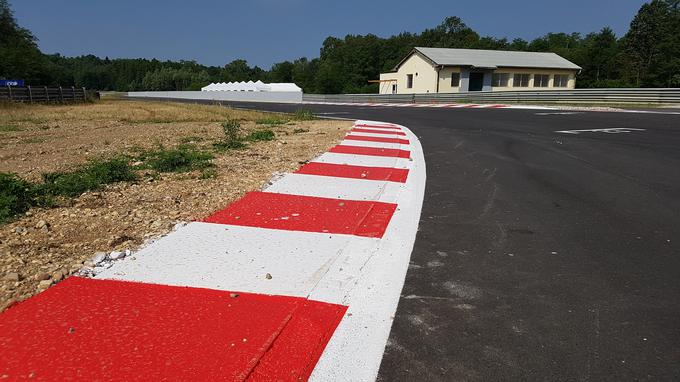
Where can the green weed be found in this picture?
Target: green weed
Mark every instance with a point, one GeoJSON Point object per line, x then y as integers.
{"type": "Point", "coordinates": [90, 177]}
{"type": "Point", "coordinates": [16, 196]}
{"type": "Point", "coordinates": [274, 120]}
{"type": "Point", "coordinates": [208, 173]}
{"type": "Point", "coordinates": [9, 128]}
{"type": "Point", "coordinates": [232, 140]}
{"type": "Point", "coordinates": [303, 115]}
{"type": "Point", "coordinates": [181, 159]}
{"type": "Point", "coordinates": [260, 135]}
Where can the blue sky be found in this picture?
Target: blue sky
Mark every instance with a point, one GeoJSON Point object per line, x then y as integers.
{"type": "Point", "coordinates": [215, 32]}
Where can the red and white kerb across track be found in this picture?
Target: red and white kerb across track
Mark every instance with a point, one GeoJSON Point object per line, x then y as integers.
{"type": "Point", "coordinates": [299, 281]}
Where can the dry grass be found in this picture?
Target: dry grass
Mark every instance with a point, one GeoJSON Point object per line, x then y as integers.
{"type": "Point", "coordinates": [39, 138]}
{"type": "Point", "coordinates": [122, 111]}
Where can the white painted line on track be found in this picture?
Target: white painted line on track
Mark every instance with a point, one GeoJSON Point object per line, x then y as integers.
{"type": "Point", "coordinates": [611, 130]}
{"type": "Point", "coordinates": [356, 349]}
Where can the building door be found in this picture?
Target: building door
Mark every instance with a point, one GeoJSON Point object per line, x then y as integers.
{"type": "Point", "coordinates": [476, 82]}
{"type": "Point", "coordinates": [394, 88]}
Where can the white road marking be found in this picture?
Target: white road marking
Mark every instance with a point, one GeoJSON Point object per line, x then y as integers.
{"type": "Point", "coordinates": [560, 113]}
{"type": "Point", "coordinates": [357, 346]}
{"type": "Point", "coordinates": [612, 130]}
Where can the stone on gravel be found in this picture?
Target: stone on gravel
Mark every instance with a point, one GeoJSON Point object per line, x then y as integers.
{"type": "Point", "coordinates": [116, 255]}
{"type": "Point", "coordinates": [44, 284]}
{"type": "Point", "coordinates": [99, 257]}
{"type": "Point", "coordinates": [13, 276]}
{"type": "Point", "coordinates": [58, 275]}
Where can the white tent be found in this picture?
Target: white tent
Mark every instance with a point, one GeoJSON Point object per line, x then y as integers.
{"type": "Point", "coordinates": [251, 86]}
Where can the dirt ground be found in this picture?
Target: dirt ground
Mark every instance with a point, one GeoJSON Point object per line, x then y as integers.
{"type": "Point", "coordinates": [43, 246]}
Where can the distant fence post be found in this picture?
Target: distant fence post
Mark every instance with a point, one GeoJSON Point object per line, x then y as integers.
{"type": "Point", "coordinates": [73, 93]}
{"type": "Point", "coordinates": [47, 94]}
{"type": "Point", "coordinates": [9, 90]}
{"type": "Point", "coordinates": [84, 94]}
{"type": "Point", "coordinates": [30, 94]}
{"type": "Point", "coordinates": [61, 94]}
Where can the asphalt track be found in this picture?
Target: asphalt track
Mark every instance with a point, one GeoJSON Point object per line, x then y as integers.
{"type": "Point", "coordinates": [541, 256]}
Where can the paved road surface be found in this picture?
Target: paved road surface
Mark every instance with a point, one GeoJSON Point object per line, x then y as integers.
{"type": "Point", "coordinates": [541, 256]}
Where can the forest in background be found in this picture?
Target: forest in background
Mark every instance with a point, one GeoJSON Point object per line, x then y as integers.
{"type": "Point", "coordinates": [648, 55]}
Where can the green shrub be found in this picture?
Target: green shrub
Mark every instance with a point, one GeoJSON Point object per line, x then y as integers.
{"type": "Point", "coordinates": [231, 128]}
{"type": "Point", "coordinates": [228, 145]}
{"type": "Point", "coordinates": [9, 128]}
{"type": "Point", "coordinates": [273, 120]}
{"type": "Point", "coordinates": [181, 159]}
{"type": "Point", "coordinates": [231, 140]}
{"type": "Point", "coordinates": [90, 177]}
{"type": "Point", "coordinates": [304, 115]}
{"type": "Point", "coordinates": [260, 135]}
{"type": "Point", "coordinates": [16, 196]}
{"type": "Point", "coordinates": [190, 139]}
{"type": "Point", "coordinates": [208, 173]}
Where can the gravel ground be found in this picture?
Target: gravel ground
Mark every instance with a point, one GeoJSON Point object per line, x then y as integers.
{"type": "Point", "coordinates": [44, 246]}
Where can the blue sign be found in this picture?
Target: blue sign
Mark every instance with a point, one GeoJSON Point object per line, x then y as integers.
{"type": "Point", "coordinates": [16, 83]}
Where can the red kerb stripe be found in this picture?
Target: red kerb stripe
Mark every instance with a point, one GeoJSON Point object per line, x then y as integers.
{"type": "Point", "coordinates": [378, 126]}
{"type": "Point", "coordinates": [396, 153]}
{"type": "Point", "coordinates": [355, 172]}
{"type": "Point", "coordinates": [377, 139]}
{"type": "Point", "coordinates": [378, 131]}
{"type": "Point", "coordinates": [86, 329]}
{"type": "Point", "coordinates": [307, 213]}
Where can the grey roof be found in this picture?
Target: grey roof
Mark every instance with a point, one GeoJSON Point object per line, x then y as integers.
{"type": "Point", "coordinates": [493, 59]}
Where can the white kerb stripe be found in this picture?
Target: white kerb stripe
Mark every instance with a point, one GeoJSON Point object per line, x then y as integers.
{"type": "Point", "coordinates": [235, 258]}
{"type": "Point", "coordinates": [363, 160]}
{"type": "Point", "coordinates": [337, 188]}
{"type": "Point", "coordinates": [380, 145]}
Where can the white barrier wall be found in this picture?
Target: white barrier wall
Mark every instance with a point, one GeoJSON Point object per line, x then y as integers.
{"type": "Point", "coordinates": [279, 97]}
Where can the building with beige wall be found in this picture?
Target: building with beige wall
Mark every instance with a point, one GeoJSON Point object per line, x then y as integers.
{"type": "Point", "coordinates": [442, 70]}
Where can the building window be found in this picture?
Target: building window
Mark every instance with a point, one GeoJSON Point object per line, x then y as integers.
{"type": "Point", "coordinates": [561, 81]}
{"type": "Point", "coordinates": [541, 80]}
{"type": "Point", "coordinates": [455, 80]}
{"type": "Point", "coordinates": [520, 80]}
{"type": "Point", "coordinates": [409, 81]}
{"type": "Point", "coordinates": [500, 80]}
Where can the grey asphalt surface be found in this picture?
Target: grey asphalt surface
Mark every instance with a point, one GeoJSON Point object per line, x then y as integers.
{"type": "Point", "coordinates": [541, 256]}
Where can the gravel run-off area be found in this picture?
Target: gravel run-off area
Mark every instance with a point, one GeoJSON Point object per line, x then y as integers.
{"type": "Point", "coordinates": [44, 245]}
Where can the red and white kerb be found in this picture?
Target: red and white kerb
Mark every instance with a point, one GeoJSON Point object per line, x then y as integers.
{"type": "Point", "coordinates": [298, 281]}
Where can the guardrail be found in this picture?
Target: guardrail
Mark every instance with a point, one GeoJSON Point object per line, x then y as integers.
{"type": "Point", "coordinates": [46, 95]}
{"type": "Point", "coordinates": [577, 96]}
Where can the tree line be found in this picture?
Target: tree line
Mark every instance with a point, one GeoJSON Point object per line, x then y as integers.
{"type": "Point", "coordinates": [648, 55]}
